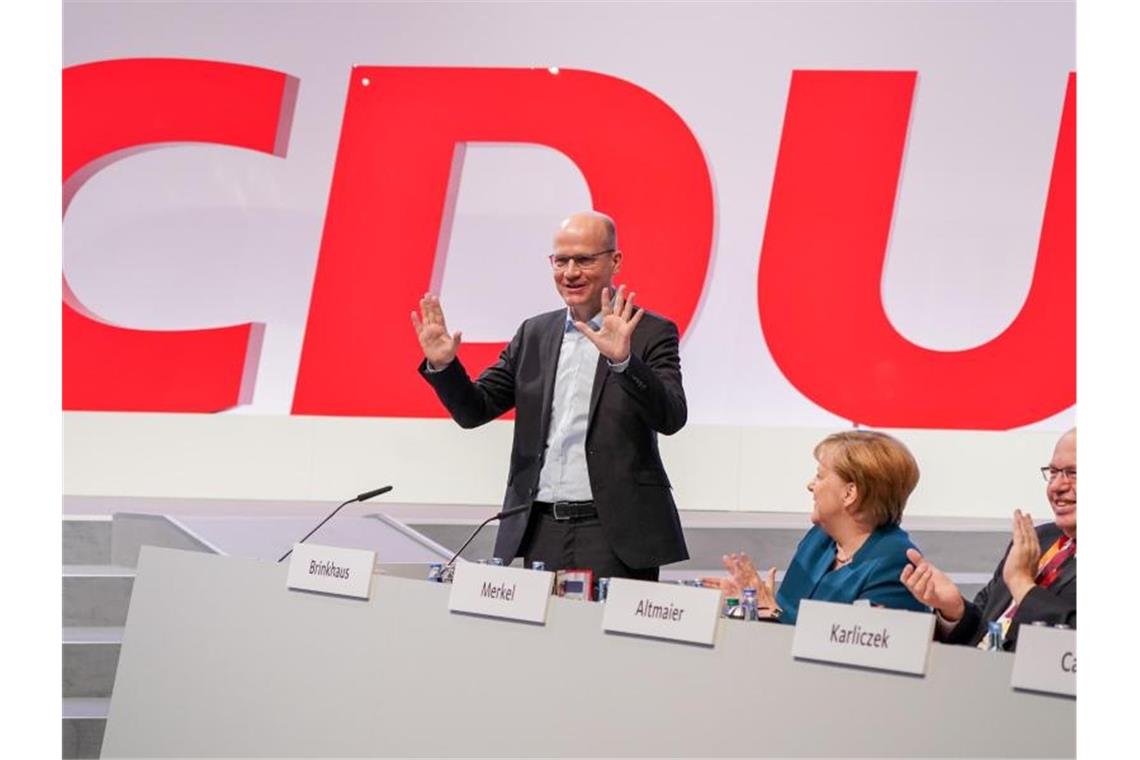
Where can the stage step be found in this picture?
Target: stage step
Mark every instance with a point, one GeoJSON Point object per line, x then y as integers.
{"type": "Point", "coordinates": [87, 540]}
{"type": "Point", "coordinates": [100, 553]}
{"type": "Point", "coordinates": [131, 531]}
{"type": "Point", "coordinates": [90, 657]}
{"type": "Point", "coordinates": [96, 595]}
{"type": "Point", "coordinates": [84, 721]}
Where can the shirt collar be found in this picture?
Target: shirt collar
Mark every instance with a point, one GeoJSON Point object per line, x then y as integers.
{"type": "Point", "coordinates": [594, 322]}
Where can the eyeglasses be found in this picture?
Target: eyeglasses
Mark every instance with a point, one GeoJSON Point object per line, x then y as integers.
{"type": "Point", "coordinates": [1051, 473]}
{"type": "Point", "coordinates": [582, 261]}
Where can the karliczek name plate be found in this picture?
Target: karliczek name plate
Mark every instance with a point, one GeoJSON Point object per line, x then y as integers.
{"type": "Point", "coordinates": [856, 634]}
{"type": "Point", "coordinates": [662, 611]}
{"type": "Point", "coordinates": [505, 592]}
{"type": "Point", "coordinates": [331, 570]}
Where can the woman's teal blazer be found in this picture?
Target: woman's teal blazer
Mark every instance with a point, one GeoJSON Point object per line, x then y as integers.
{"type": "Point", "coordinates": [873, 573]}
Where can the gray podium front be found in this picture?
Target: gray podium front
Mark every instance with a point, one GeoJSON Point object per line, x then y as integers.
{"type": "Point", "coordinates": [219, 659]}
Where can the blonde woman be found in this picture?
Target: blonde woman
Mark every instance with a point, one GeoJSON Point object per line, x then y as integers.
{"type": "Point", "coordinates": [855, 548]}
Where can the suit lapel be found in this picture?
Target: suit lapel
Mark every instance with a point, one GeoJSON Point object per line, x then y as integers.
{"type": "Point", "coordinates": [549, 350]}
{"type": "Point", "coordinates": [820, 567]}
{"type": "Point", "coordinates": [998, 603]}
{"type": "Point", "coordinates": [1002, 598]}
{"type": "Point", "coordinates": [600, 373]}
{"type": "Point", "coordinates": [596, 392]}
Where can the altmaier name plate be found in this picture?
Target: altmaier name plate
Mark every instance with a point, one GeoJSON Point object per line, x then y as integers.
{"type": "Point", "coordinates": [1046, 660]}
{"type": "Point", "coordinates": [858, 634]}
{"type": "Point", "coordinates": [662, 610]}
{"type": "Point", "coordinates": [505, 592]}
{"type": "Point", "coordinates": [331, 570]}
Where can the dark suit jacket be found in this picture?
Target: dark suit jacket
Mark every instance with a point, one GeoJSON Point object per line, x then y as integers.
{"type": "Point", "coordinates": [1056, 604]}
{"type": "Point", "coordinates": [627, 410]}
{"type": "Point", "coordinates": [873, 573]}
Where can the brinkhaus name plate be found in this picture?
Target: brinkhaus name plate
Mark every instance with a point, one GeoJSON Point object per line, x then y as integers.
{"type": "Point", "coordinates": [331, 570]}
{"type": "Point", "coordinates": [505, 592]}
{"type": "Point", "coordinates": [662, 610]}
{"type": "Point", "coordinates": [871, 637]}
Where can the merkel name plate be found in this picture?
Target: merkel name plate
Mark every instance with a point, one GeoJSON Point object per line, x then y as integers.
{"type": "Point", "coordinates": [505, 592]}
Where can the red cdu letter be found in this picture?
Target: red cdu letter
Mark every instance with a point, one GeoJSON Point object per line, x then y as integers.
{"type": "Point", "coordinates": [389, 202]}
{"type": "Point", "coordinates": [828, 224]}
{"type": "Point", "coordinates": [110, 109]}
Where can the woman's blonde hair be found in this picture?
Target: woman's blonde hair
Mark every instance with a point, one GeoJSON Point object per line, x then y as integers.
{"type": "Point", "coordinates": [881, 467]}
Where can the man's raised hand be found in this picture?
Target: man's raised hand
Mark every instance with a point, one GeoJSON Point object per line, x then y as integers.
{"type": "Point", "coordinates": [618, 324]}
{"type": "Point", "coordinates": [932, 587]}
{"type": "Point", "coordinates": [438, 345]}
{"type": "Point", "coordinates": [1020, 569]}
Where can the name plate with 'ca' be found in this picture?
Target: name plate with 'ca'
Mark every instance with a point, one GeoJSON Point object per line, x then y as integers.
{"type": "Point", "coordinates": [1046, 660]}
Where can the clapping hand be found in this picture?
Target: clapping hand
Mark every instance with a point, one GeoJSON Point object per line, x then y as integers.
{"type": "Point", "coordinates": [932, 587]}
{"type": "Point", "coordinates": [438, 345]}
{"type": "Point", "coordinates": [618, 323]}
{"type": "Point", "coordinates": [1020, 569]}
{"type": "Point", "coordinates": [742, 575]}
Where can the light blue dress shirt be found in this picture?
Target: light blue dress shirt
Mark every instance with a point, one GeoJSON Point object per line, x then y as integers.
{"type": "Point", "coordinates": [564, 476]}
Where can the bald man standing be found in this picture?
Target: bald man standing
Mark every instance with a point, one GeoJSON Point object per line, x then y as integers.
{"type": "Point", "coordinates": [592, 385]}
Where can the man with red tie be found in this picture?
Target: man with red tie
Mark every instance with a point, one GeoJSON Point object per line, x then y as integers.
{"type": "Point", "coordinates": [1036, 581]}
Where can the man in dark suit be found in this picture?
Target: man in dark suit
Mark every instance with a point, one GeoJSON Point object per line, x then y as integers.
{"type": "Point", "coordinates": [592, 385]}
{"type": "Point", "coordinates": [1035, 581]}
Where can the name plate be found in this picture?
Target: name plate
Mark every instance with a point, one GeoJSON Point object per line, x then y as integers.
{"type": "Point", "coordinates": [331, 570]}
{"type": "Point", "coordinates": [662, 611]}
{"type": "Point", "coordinates": [1046, 660]}
{"type": "Point", "coordinates": [504, 592]}
{"type": "Point", "coordinates": [871, 637]}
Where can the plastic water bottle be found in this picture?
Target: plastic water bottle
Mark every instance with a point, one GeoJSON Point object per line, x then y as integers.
{"type": "Point", "coordinates": [748, 604]}
{"type": "Point", "coordinates": [603, 589]}
{"type": "Point", "coordinates": [994, 636]}
{"type": "Point", "coordinates": [538, 565]}
{"type": "Point", "coordinates": [497, 561]}
{"type": "Point", "coordinates": [435, 572]}
{"type": "Point", "coordinates": [732, 607]}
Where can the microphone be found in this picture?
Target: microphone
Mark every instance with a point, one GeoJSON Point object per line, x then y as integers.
{"type": "Point", "coordinates": [498, 516]}
{"type": "Point", "coordinates": [359, 497]}
{"type": "Point", "coordinates": [369, 494]}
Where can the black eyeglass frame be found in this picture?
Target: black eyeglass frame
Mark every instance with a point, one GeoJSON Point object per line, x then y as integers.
{"type": "Point", "coordinates": [591, 258]}
{"type": "Point", "coordinates": [1051, 473]}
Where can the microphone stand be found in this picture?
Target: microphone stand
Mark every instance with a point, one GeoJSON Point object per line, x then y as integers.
{"type": "Point", "coordinates": [359, 497]}
{"type": "Point", "coordinates": [497, 516]}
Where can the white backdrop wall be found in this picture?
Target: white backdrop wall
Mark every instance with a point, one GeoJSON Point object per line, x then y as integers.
{"type": "Point", "coordinates": [968, 474]}
{"type": "Point", "coordinates": [194, 236]}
